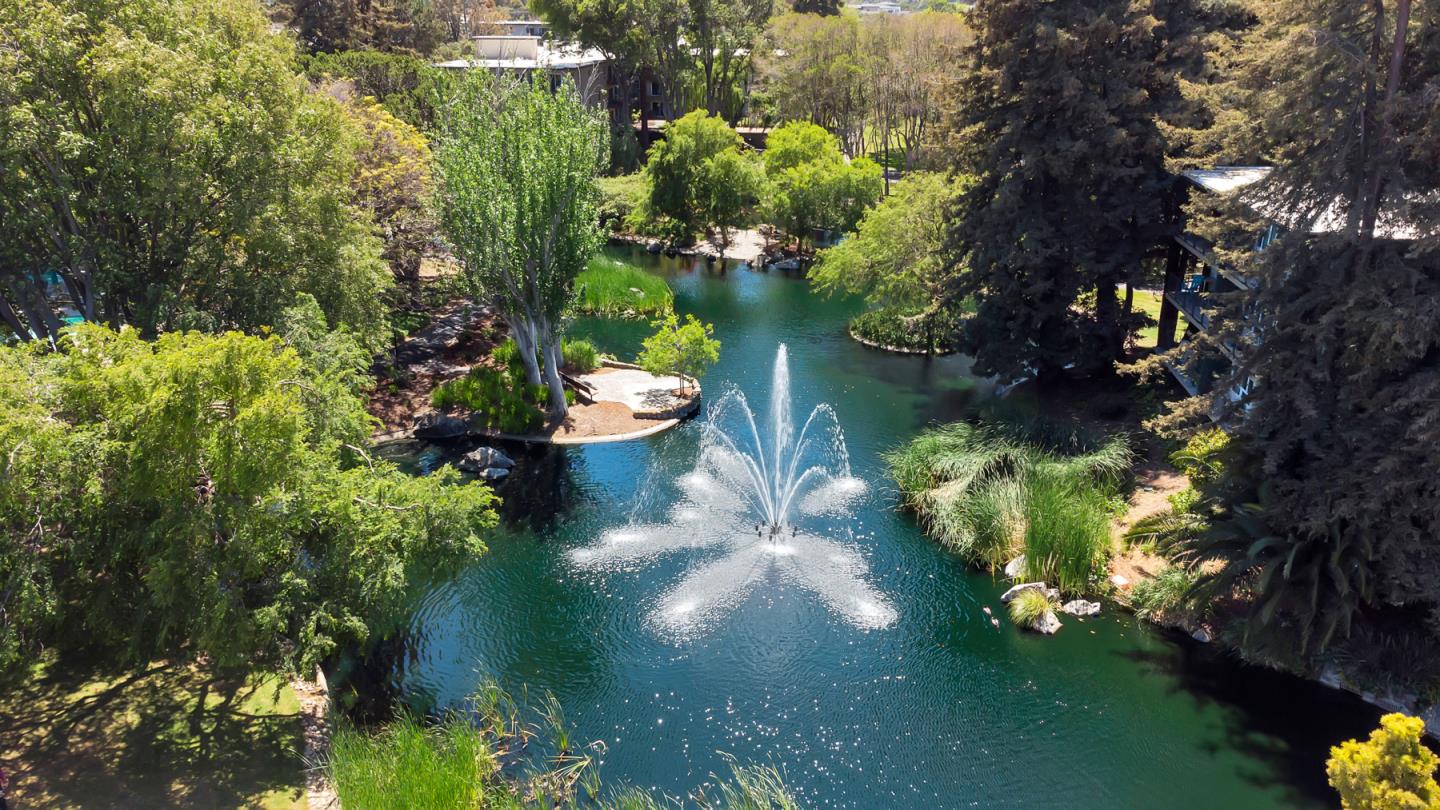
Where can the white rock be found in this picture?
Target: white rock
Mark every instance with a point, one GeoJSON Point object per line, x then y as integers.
{"type": "Point", "coordinates": [1049, 624]}
{"type": "Point", "coordinates": [1202, 635]}
{"type": "Point", "coordinates": [1080, 607]}
{"type": "Point", "coordinates": [1021, 588]}
{"type": "Point", "coordinates": [492, 473]}
{"type": "Point", "coordinates": [1015, 567]}
{"type": "Point", "coordinates": [1119, 581]}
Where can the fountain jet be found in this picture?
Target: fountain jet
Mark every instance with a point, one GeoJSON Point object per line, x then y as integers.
{"type": "Point", "coordinates": [762, 496]}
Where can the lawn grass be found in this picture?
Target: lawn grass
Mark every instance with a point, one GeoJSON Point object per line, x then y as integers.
{"type": "Point", "coordinates": [1148, 302]}
{"type": "Point", "coordinates": [77, 734]}
{"type": "Point", "coordinates": [613, 288]}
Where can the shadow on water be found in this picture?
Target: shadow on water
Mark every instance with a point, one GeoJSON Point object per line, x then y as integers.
{"type": "Point", "coordinates": [1283, 724]}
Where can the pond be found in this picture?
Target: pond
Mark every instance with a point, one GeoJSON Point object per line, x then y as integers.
{"type": "Point", "coordinates": [937, 709]}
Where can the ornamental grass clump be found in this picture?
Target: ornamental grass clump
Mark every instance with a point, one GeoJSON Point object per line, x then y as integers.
{"type": "Point", "coordinates": [1029, 608]}
{"type": "Point", "coordinates": [613, 288]}
{"type": "Point", "coordinates": [995, 491]}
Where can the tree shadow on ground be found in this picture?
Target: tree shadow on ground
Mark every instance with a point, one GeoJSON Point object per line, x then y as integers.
{"type": "Point", "coordinates": [81, 734]}
{"type": "Point", "coordinates": [1282, 724]}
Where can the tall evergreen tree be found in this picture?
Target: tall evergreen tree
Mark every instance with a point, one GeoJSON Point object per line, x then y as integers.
{"type": "Point", "coordinates": [1056, 119]}
{"type": "Point", "coordinates": [1341, 337]}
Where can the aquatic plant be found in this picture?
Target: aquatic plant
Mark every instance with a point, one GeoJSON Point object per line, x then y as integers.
{"type": "Point", "coordinates": [614, 288]}
{"type": "Point", "coordinates": [580, 355]}
{"type": "Point", "coordinates": [991, 492]}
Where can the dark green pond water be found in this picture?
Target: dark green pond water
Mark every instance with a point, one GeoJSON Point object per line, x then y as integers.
{"type": "Point", "coordinates": [938, 710]}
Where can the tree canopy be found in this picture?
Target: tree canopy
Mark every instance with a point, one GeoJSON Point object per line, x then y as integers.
{"type": "Point", "coordinates": [1069, 180]}
{"type": "Point", "coordinates": [518, 202]}
{"type": "Point", "coordinates": [812, 186]}
{"type": "Point", "coordinates": [205, 495]}
{"type": "Point", "coordinates": [1393, 770]}
{"type": "Point", "coordinates": [162, 166]}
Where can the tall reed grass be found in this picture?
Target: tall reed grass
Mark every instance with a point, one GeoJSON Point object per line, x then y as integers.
{"type": "Point", "coordinates": [613, 288]}
{"type": "Point", "coordinates": [992, 492]}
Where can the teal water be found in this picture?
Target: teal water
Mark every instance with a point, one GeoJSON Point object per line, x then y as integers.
{"type": "Point", "coordinates": [938, 710]}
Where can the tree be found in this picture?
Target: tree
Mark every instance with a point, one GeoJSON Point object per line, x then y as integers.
{"type": "Point", "coordinates": [1393, 770]}
{"type": "Point", "coordinates": [406, 86]}
{"type": "Point", "coordinates": [732, 185]}
{"type": "Point", "coordinates": [1340, 335]}
{"type": "Point", "coordinates": [398, 26]}
{"type": "Point", "coordinates": [517, 200]}
{"type": "Point", "coordinates": [684, 350]}
{"type": "Point", "coordinates": [813, 187]}
{"type": "Point", "coordinates": [164, 203]}
{"type": "Point", "coordinates": [815, 70]}
{"type": "Point", "coordinates": [895, 259]}
{"type": "Point", "coordinates": [824, 8]}
{"type": "Point", "coordinates": [392, 183]}
{"type": "Point", "coordinates": [204, 495]}
{"type": "Point", "coordinates": [1055, 120]}
{"type": "Point", "coordinates": [677, 164]}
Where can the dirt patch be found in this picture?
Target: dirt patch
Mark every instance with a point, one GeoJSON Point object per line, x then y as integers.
{"type": "Point", "coordinates": [459, 337]}
{"type": "Point", "coordinates": [599, 419]}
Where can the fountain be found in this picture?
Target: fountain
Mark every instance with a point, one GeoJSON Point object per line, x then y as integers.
{"type": "Point", "coordinates": [775, 503]}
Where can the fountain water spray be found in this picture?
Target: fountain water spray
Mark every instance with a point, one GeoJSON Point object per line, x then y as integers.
{"type": "Point", "coordinates": [762, 496]}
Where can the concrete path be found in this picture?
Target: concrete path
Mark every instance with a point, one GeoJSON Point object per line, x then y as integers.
{"type": "Point", "coordinates": [640, 391]}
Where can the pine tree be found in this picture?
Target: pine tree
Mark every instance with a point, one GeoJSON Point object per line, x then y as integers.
{"type": "Point", "coordinates": [1056, 120]}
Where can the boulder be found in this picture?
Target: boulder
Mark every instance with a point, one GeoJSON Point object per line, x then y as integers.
{"type": "Point", "coordinates": [1202, 635]}
{"type": "Point", "coordinates": [1021, 588]}
{"type": "Point", "coordinates": [484, 458]}
{"type": "Point", "coordinates": [492, 473]}
{"type": "Point", "coordinates": [1015, 567]}
{"type": "Point", "coordinates": [433, 425]}
{"type": "Point", "coordinates": [654, 246]}
{"type": "Point", "coordinates": [1079, 607]}
{"type": "Point", "coordinates": [1119, 582]}
{"type": "Point", "coordinates": [1049, 624]}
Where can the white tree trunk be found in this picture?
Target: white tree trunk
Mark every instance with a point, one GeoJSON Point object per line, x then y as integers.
{"type": "Point", "coordinates": [550, 347]}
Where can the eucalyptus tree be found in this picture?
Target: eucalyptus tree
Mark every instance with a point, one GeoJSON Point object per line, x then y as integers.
{"type": "Point", "coordinates": [517, 200]}
{"type": "Point", "coordinates": [163, 164]}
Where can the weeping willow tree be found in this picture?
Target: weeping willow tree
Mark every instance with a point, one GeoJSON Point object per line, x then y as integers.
{"type": "Point", "coordinates": [993, 492]}
{"type": "Point", "coordinates": [517, 200]}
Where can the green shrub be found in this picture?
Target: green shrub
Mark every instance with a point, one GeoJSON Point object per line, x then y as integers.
{"type": "Point", "coordinates": [613, 288]}
{"type": "Point", "coordinates": [1030, 607]}
{"type": "Point", "coordinates": [579, 355]}
{"type": "Point", "coordinates": [1201, 459]}
{"type": "Point", "coordinates": [620, 197]}
{"type": "Point", "coordinates": [901, 329]}
{"type": "Point", "coordinates": [1185, 500]}
{"type": "Point", "coordinates": [497, 399]}
{"type": "Point", "coordinates": [1162, 593]}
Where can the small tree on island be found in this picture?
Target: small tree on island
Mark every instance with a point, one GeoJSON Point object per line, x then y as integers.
{"type": "Point", "coordinates": [683, 350]}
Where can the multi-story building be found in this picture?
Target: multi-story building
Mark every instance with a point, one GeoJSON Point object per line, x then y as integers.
{"type": "Point", "coordinates": [524, 54]}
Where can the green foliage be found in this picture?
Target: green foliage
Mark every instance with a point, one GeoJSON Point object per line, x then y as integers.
{"type": "Point", "coordinates": [406, 764]}
{"type": "Point", "coordinates": [620, 198]}
{"type": "Point", "coordinates": [916, 331]}
{"type": "Point", "coordinates": [813, 186]}
{"type": "Point", "coordinates": [992, 492]}
{"type": "Point", "coordinates": [613, 288]}
{"type": "Point", "coordinates": [1393, 770]}
{"type": "Point", "coordinates": [499, 399]}
{"type": "Point", "coordinates": [206, 495]}
{"type": "Point", "coordinates": [1030, 607]}
{"type": "Point", "coordinates": [407, 86]}
{"type": "Point", "coordinates": [895, 257]}
{"type": "Point", "coordinates": [1067, 531]}
{"type": "Point", "coordinates": [517, 200]}
{"type": "Point", "coordinates": [1069, 91]}
{"type": "Point", "coordinates": [1202, 457]}
{"type": "Point", "coordinates": [683, 173]}
{"type": "Point", "coordinates": [684, 350]}
{"type": "Point", "coordinates": [580, 355]}
{"type": "Point", "coordinates": [402, 26]}
{"type": "Point", "coordinates": [732, 184]}
{"type": "Point", "coordinates": [1164, 593]}
{"type": "Point", "coordinates": [166, 161]}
